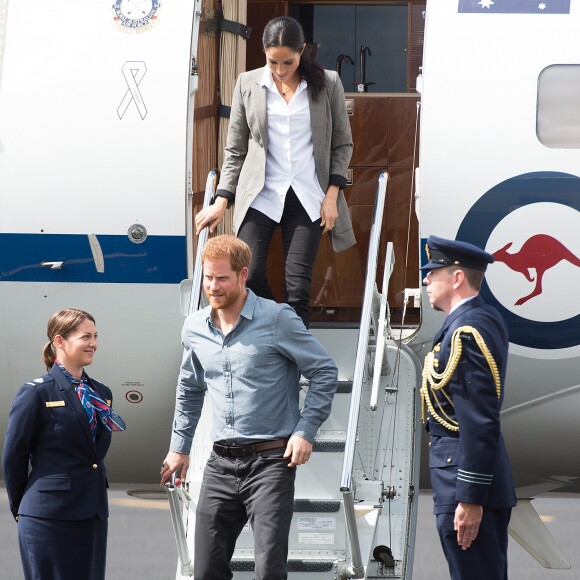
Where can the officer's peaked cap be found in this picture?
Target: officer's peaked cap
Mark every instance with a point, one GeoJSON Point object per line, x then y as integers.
{"type": "Point", "coordinates": [442, 253]}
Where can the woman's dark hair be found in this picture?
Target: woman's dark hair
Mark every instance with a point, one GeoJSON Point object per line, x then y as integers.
{"type": "Point", "coordinates": [286, 31]}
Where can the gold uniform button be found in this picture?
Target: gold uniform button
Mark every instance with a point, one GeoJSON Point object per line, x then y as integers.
{"type": "Point", "coordinates": [449, 460]}
{"type": "Point", "coordinates": [437, 348]}
{"type": "Point", "coordinates": [95, 466]}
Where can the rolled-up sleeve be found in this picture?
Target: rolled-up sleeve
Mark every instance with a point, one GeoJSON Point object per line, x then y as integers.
{"type": "Point", "coordinates": [298, 344]}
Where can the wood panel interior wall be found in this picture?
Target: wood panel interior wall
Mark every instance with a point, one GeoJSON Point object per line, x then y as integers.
{"type": "Point", "coordinates": [205, 122]}
{"type": "Point", "coordinates": [384, 131]}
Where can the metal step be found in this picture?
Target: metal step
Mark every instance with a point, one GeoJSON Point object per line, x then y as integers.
{"type": "Point", "coordinates": [319, 478]}
{"type": "Point", "coordinates": [343, 387]}
{"type": "Point", "coordinates": [294, 565]}
{"type": "Point", "coordinates": [328, 446]}
{"type": "Point", "coordinates": [317, 505]}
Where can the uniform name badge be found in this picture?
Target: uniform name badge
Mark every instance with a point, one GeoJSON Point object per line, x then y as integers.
{"type": "Point", "coordinates": [50, 404]}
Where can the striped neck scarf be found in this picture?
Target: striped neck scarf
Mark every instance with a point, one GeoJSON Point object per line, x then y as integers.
{"type": "Point", "coordinates": [93, 405]}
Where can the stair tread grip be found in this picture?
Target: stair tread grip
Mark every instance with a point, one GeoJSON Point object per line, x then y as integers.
{"type": "Point", "coordinates": [246, 565]}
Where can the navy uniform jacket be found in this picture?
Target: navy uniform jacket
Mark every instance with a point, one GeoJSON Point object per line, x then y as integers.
{"type": "Point", "coordinates": [470, 465]}
{"type": "Point", "coordinates": [48, 427]}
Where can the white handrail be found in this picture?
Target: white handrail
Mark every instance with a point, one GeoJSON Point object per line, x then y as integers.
{"type": "Point", "coordinates": [173, 493]}
{"type": "Point", "coordinates": [356, 569]}
{"type": "Point", "coordinates": [363, 338]}
{"type": "Point", "coordinates": [382, 323]}
{"type": "Point", "coordinates": [210, 185]}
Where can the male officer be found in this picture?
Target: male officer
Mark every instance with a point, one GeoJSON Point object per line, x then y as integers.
{"type": "Point", "coordinates": [463, 389]}
{"type": "Point", "coordinates": [247, 353]}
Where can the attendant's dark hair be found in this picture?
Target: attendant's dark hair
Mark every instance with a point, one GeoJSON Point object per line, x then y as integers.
{"type": "Point", "coordinates": [286, 31]}
{"type": "Point", "coordinates": [63, 323]}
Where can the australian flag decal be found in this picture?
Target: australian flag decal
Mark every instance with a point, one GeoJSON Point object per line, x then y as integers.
{"type": "Point", "coordinates": [514, 6]}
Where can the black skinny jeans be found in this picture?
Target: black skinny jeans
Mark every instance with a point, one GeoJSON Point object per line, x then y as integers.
{"type": "Point", "coordinates": [301, 239]}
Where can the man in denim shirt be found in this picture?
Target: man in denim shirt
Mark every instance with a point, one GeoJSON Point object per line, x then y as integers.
{"type": "Point", "coordinates": [247, 353]}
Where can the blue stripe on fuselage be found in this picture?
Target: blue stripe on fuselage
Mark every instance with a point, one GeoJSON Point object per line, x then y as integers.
{"type": "Point", "coordinates": [158, 260]}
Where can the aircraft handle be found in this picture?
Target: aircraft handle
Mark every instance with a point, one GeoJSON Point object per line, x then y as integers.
{"type": "Point", "coordinates": [52, 265]}
{"type": "Point", "coordinates": [97, 252]}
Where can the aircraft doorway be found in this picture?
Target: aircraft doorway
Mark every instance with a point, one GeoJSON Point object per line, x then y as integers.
{"type": "Point", "coordinates": [384, 122]}
{"type": "Point", "coordinates": [377, 50]}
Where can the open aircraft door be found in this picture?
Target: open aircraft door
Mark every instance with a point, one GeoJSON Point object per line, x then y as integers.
{"type": "Point", "coordinates": [94, 183]}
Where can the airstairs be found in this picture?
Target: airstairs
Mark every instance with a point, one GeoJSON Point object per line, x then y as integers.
{"type": "Point", "coordinates": [355, 502]}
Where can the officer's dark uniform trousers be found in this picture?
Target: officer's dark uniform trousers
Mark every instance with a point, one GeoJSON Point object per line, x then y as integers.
{"type": "Point", "coordinates": [468, 461]}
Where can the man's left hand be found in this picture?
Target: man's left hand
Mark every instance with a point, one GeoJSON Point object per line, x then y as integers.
{"type": "Point", "coordinates": [466, 523]}
{"type": "Point", "coordinates": [299, 450]}
{"type": "Point", "coordinates": [171, 464]}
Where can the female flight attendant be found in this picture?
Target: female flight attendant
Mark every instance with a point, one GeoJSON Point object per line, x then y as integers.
{"type": "Point", "coordinates": [59, 431]}
{"type": "Point", "coordinates": [286, 160]}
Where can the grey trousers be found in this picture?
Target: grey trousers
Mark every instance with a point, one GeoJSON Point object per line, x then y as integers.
{"type": "Point", "coordinates": [257, 489]}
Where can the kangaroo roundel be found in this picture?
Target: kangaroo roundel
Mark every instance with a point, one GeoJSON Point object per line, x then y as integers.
{"type": "Point", "coordinates": [537, 255]}
{"type": "Point", "coordinates": [530, 224]}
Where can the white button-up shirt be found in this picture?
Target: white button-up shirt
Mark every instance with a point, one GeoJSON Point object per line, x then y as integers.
{"type": "Point", "coordinates": [290, 157]}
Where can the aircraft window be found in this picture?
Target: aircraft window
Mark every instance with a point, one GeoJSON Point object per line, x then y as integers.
{"type": "Point", "coordinates": [558, 113]}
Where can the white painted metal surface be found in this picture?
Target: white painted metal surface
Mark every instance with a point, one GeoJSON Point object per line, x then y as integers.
{"type": "Point", "coordinates": [93, 141]}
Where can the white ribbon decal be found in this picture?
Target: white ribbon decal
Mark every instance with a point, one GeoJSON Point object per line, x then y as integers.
{"type": "Point", "coordinates": [133, 71]}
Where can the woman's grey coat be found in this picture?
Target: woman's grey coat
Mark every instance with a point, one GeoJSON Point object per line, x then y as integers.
{"type": "Point", "coordinates": [244, 169]}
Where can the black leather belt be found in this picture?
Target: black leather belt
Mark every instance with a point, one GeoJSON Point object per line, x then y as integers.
{"type": "Point", "coordinates": [245, 450]}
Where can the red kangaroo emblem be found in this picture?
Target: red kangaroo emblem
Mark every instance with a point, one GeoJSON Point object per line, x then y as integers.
{"type": "Point", "coordinates": [540, 252]}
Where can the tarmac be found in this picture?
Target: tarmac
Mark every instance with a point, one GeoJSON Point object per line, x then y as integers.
{"type": "Point", "coordinates": [141, 543]}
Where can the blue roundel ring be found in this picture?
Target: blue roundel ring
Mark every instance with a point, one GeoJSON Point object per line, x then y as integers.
{"type": "Point", "coordinates": [481, 220]}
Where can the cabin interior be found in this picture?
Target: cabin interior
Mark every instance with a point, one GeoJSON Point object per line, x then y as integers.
{"type": "Point", "coordinates": [377, 48]}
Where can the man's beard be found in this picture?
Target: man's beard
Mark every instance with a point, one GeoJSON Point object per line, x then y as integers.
{"type": "Point", "coordinates": [226, 301]}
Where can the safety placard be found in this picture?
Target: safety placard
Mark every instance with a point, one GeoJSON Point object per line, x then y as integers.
{"type": "Point", "coordinates": [316, 538]}
{"type": "Point", "coordinates": [313, 523]}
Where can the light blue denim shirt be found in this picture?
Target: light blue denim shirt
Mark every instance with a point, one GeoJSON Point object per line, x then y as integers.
{"type": "Point", "coordinates": [252, 376]}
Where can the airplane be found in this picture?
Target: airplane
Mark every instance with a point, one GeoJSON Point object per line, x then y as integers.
{"type": "Point", "coordinates": [465, 125]}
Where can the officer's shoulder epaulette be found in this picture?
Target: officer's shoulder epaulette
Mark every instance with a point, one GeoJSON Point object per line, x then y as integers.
{"type": "Point", "coordinates": [471, 333]}
{"type": "Point", "coordinates": [44, 379]}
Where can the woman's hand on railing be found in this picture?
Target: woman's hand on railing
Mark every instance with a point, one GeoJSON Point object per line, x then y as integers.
{"type": "Point", "coordinates": [211, 215]}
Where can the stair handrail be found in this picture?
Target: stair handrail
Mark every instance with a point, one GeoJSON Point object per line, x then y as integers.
{"type": "Point", "coordinates": [174, 493]}
{"type": "Point", "coordinates": [210, 187]}
{"type": "Point", "coordinates": [383, 323]}
{"type": "Point", "coordinates": [356, 569]}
